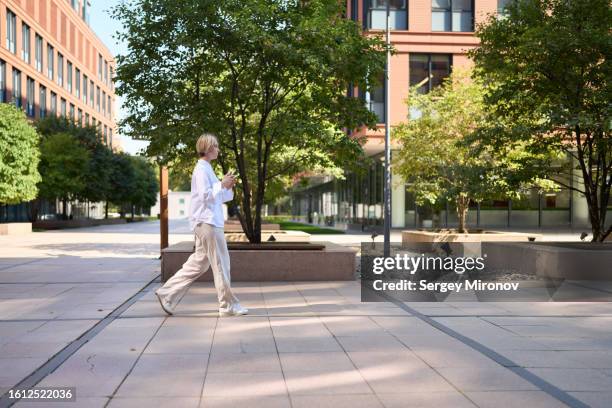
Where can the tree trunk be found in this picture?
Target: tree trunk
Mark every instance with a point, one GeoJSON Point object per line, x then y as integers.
{"type": "Point", "coordinates": [596, 187]}
{"type": "Point", "coordinates": [463, 203]}
{"type": "Point", "coordinates": [65, 209]}
{"type": "Point", "coordinates": [34, 210]}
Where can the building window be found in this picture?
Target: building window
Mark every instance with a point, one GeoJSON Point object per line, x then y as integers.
{"type": "Point", "coordinates": [80, 117]}
{"type": "Point", "coordinates": [72, 117]}
{"type": "Point", "coordinates": [428, 70]}
{"type": "Point", "coordinates": [53, 103]}
{"type": "Point", "coordinates": [11, 31]}
{"type": "Point", "coordinates": [93, 122]}
{"type": "Point", "coordinates": [2, 81]}
{"type": "Point", "coordinates": [69, 76]}
{"type": "Point", "coordinates": [17, 87]}
{"type": "Point", "coordinates": [104, 103]}
{"type": "Point", "coordinates": [98, 98]}
{"type": "Point", "coordinates": [25, 41]}
{"type": "Point", "coordinates": [50, 62]}
{"type": "Point", "coordinates": [85, 12]}
{"type": "Point", "coordinates": [111, 73]}
{"type": "Point", "coordinates": [110, 137]}
{"type": "Point", "coordinates": [377, 14]}
{"type": "Point", "coordinates": [38, 50]}
{"type": "Point", "coordinates": [87, 119]}
{"type": "Point", "coordinates": [77, 82]}
{"type": "Point", "coordinates": [100, 67]}
{"type": "Point", "coordinates": [355, 10]}
{"type": "Point", "coordinates": [501, 7]}
{"type": "Point", "coordinates": [42, 101]}
{"type": "Point", "coordinates": [75, 4]}
{"type": "Point", "coordinates": [105, 134]}
{"type": "Point", "coordinates": [106, 72]}
{"type": "Point", "coordinates": [108, 105]}
{"type": "Point", "coordinates": [375, 99]}
{"type": "Point", "coordinates": [91, 93]}
{"type": "Point", "coordinates": [30, 89]}
{"type": "Point", "coordinates": [63, 107]}
{"type": "Point", "coordinates": [84, 89]}
{"type": "Point", "coordinates": [60, 69]}
{"type": "Point", "coordinates": [452, 15]}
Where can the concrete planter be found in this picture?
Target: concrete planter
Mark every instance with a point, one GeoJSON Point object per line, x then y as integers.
{"type": "Point", "coordinates": [15, 228]}
{"type": "Point", "coordinates": [235, 226]}
{"type": "Point", "coordinates": [461, 243]}
{"type": "Point", "coordinates": [555, 260]}
{"type": "Point", "coordinates": [277, 261]}
{"type": "Point", "coordinates": [279, 236]}
{"type": "Point", "coordinates": [61, 224]}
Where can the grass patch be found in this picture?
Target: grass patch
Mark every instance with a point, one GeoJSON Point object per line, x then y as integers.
{"type": "Point", "coordinates": [310, 229]}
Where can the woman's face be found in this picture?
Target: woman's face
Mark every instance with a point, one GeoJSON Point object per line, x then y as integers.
{"type": "Point", "coordinates": [213, 152]}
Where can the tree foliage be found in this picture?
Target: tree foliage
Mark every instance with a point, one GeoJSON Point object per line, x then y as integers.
{"type": "Point", "coordinates": [19, 156]}
{"type": "Point", "coordinates": [269, 77]}
{"type": "Point", "coordinates": [438, 156]}
{"type": "Point", "coordinates": [122, 179]}
{"type": "Point", "coordinates": [549, 65]}
{"type": "Point", "coordinates": [97, 176]}
{"type": "Point", "coordinates": [78, 165]}
{"type": "Point", "coordinates": [146, 187]}
{"type": "Point", "coordinates": [63, 165]}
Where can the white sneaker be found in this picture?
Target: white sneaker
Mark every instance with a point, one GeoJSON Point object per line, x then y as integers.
{"type": "Point", "coordinates": [165, 305]}
{"type": "Point", "coordinates": [233, 310]}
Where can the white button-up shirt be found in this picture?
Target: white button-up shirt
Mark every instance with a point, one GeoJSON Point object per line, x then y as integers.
{"type": "Point", "coordinates": [207, 196]}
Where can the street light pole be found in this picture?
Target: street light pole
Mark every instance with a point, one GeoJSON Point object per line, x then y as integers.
{"type": "Point", "coordinates": [387, 186]}
{"type": "Point", "coordinates": [163, 207]}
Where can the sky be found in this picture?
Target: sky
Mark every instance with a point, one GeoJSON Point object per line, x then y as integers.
{"type": "Point", "coordinates": [105, 27]}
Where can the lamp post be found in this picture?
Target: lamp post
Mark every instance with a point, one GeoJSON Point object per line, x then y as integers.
{"type": "Point", "coordinates": [387, 185]}
{"type": "Point", "coordinates": [163, 206]}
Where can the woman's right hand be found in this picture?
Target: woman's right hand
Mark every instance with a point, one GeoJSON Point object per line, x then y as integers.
{"type": "Point", "coordinates": [228, 180]}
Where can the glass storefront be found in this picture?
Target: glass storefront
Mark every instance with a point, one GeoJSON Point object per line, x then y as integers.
{"type": "Point", "coordinates": [357, 202]}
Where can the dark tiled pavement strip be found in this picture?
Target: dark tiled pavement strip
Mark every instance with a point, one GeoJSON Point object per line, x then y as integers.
{"type": "Point", "coordinates": [304, 344]}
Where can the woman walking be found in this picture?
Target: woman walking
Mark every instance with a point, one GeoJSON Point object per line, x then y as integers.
{"type": "Point", "coordinates": [206, 220]}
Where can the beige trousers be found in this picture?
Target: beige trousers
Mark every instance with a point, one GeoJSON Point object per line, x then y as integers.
{"type": "Point", "coordinates": [210, 251]}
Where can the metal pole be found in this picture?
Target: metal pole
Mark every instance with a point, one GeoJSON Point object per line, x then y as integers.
{"type": "Point", "coordinates": [163, 207]}
{"type": "Point", "coordinates": [387, 186]}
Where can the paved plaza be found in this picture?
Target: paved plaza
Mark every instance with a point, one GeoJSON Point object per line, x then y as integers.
{"type": "Point", "coordinates": [77, 309]}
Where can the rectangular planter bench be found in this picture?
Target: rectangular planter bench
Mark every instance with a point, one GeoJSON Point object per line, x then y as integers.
{"type": "Point", "coordinates": [555, 260]}
{"type": "Point", "coordinates": [280, 261]}
{"type": "Point", "coordinates": [15, 228]}
{"type": "Point", "coordinates": [461, 243]}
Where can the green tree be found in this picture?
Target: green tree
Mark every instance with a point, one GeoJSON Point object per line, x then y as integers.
{"type": "Point", "coordinates": [550, 63]}
{"type": "Point", "coordinates": [438, 157]}
{"type": "Point", "coordinates": [97, 176]}
{"type": "Point", "coordinates": [269, 77]}
{"type": "Point", "coordinates": [122, 180]}
{"type": "Point", "coordinates": [63, 164]}
{"type": "Point", "coordinates": [19, 156]}
{"type": "Point", "coordinates": [146, 187]}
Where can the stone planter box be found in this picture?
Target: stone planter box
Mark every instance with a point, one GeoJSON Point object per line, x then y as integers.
{"type": "Point", "coordinates": [235, 226]}
{"type": "Point", "coordinates": [15, 228]}
{"type": "Point", "coordinates": [279, 236]}
{"type": "Point", "coordinates": [555, 260]}
{"type": "Point", "coordinates": [61, 224]}
{"type": "Point", "coordinates": [275, 261]}
{"type": "Point", "coordinates": [462, 244]}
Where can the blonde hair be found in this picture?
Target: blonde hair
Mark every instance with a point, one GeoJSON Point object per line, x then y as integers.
{"type": "Point", "coordinates": [205, 142]}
